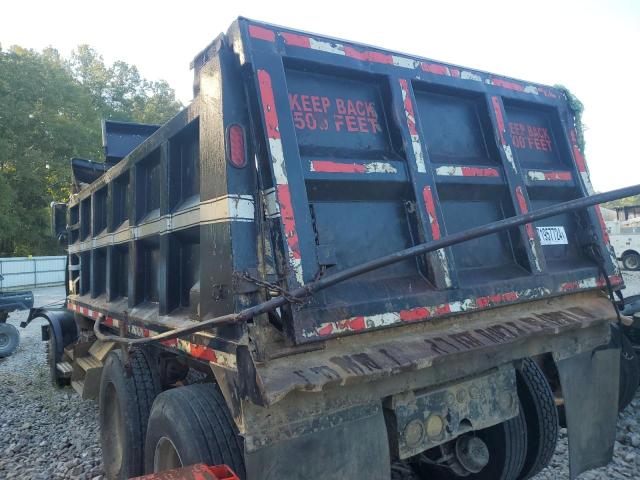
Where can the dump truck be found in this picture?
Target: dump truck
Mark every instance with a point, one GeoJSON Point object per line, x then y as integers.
{"type": "Point", "coordinates": [339, 262]}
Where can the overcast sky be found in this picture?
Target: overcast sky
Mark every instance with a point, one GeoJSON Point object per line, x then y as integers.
{"type": "Point", "coordinates": [592, 47]}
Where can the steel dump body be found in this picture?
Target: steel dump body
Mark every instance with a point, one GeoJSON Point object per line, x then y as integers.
{"type": "Point", "coordinates": [344, 153]}
{"type": "Point", "coordinates": [371, 152]}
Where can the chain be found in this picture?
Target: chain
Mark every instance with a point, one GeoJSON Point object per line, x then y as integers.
{"type": "Point", "coordinates": [272, 287]}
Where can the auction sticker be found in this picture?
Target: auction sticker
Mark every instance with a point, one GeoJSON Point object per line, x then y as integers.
{"type": "Point", "coordinates": [552, 235]}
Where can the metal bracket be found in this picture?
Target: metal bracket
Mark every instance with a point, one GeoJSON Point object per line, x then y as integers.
{"type": "Point", "coordinates": [326, 255]}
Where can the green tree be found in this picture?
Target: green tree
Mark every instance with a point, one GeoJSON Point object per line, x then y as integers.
{"type": "Point", "coordinates": [50, 111]}
{"type": "Point", "coordinates": [119, 92]}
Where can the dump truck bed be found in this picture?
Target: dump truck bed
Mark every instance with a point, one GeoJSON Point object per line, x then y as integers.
{"type": "Point", "coordinates": [359, 152]}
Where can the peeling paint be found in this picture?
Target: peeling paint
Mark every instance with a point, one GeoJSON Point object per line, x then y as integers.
{"type": "Point", "coordinates": [411, 122]}
{"type": "Point", "coordinates": [459, 171]}
{"type": "Point", "coordinates": [298, 40]}
{"type": "Point", "coordinates": [405, 62]}
{"type": "Point", "coordinates": [544, 176]}
{"type": "Point", "coordinates": [495, 101]}
{"type": "Point", "coordinates": [327, 166]}
{"type": "Point", "coordinates": [295, 40]}
{"type": "Point", "coordinates": [282, 187]}
{"type": "Point", "coordinates": [240, 207]}
{"type": "Point", "coordinates": [522, 204]}
{"type": "Point", "coordinates": [436, 68]}
{"type": "Point", "coordinates": [467, 75]}
{"type": "Point", "coordinates": [291, 235]}
{"type": "Point", "coordinates": [355, 324]}
{"type": "Point", "coordinates": [327, 47]}
{"type": "Point", "coordinates": [508, 84]}
{"type": "Point", "coordinates": [580, 162]}
{"type": "Point", "coordinates": [277, 159]}
{"type": "Point", "coordinates": [444, 264]}
{"type": "Point", "coordinates": [196, 350]}
{"type": "Point", "coordinates": [436, 234]}
{"type": "Point", "coordinates": [603, 226]}
{"type": "Point", "coordinates": [509, 154]}
{"type": "Point", "coordinates": [586, 180]}
{"type": "Point", "coordinates": [431, 212]}
{"type": "Point", "coordinates": [270, 202]}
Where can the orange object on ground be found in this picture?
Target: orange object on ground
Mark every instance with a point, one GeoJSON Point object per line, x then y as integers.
{"type": "Point", "coordinates": [199, 471]}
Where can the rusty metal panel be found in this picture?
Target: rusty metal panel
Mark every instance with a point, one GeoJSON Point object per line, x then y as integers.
{"type": "Point", "coordinates": [380, 355]}
{"type": "Point", "coordinates": [425, 419]}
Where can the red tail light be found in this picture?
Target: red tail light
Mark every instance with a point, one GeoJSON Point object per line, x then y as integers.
{"type": "Point", "coordinates": [236, 146]}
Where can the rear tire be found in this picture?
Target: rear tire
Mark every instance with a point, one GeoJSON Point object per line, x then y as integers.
{"type": "Point", "coordinates": [53, 357]}
{"type": "Point", "coordinates": [192, 424]}
{"type": "Point", "coordinates": [541, 417]}
{"type": "Point", "coordinates": [9, 339]}
{"type": "Point", "coordinates": [629, 372]}
{"type": "Point", "coordinates": [631, 261]}
{"type": "Point", "coordinates": [507, 443]}
{"type": "Point", "coordinates": [125, 404]}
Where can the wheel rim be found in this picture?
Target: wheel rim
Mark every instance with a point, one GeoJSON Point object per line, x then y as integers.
{"type": "Point", "coordinates": [113, 430]}
{"type": "Point", "coordinates": [632, 262]}
{"type": "Point", "coordinates": [166, 456]}
{"type": "Point", "coordinates": [4, 340]}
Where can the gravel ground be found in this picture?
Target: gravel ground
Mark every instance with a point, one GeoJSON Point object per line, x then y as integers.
{"type": "Point", "coordinates": [52, 434]}
{"type": "Point", "coordinates": [45, 433]}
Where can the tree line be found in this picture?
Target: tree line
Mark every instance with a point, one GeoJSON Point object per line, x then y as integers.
{"type": "Point", "coordinates": [50, 110]}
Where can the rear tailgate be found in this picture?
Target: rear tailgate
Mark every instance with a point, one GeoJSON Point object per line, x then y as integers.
{"type": "Point", "coordinates": [366, 152]}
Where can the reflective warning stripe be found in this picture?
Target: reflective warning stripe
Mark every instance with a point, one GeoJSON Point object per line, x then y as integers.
{"type": "Point", "coordinates": [202, 352]}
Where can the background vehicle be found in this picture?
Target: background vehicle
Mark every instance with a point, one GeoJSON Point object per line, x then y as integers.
{"type": "Point", "coordinates": [625, 240]}
{"type": "Point", "coordinates": [9, 336]}
{"type": "Point", "coordinates": [301, 157]}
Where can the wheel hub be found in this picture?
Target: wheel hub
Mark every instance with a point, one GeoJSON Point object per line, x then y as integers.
{"type": "Point", "coordinates": [472, 453]}
{"type": "Point", "coordinates": [4, 340]}
{"type": "Point", "coordinates": [166, 456]}
{"type": "Point", "coordinates": [112, 432]}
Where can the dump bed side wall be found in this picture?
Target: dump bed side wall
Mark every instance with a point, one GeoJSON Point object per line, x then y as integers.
{"type": "Point", "coordinates": [370, 152]}
{"type": "Point", "coordinates": [156, 241]}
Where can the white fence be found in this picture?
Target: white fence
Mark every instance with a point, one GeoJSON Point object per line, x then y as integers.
{"type": "Point", "coordinates": [31, 272]}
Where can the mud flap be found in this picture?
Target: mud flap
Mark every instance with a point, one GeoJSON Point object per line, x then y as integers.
{"type": "Point", "coordinates": [590, 388]}
{"type": "Point", "coordinates": [353, 449]}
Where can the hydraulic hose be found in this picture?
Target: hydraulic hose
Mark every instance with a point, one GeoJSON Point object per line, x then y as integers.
{"type": "Point", "coordinates": [348, 273]}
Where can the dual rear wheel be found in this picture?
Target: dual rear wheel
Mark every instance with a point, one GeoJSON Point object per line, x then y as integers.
{"type": "Point", "coordinates": [143, 429]}
{"type": "Point", "coordinates": [146, 430]}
